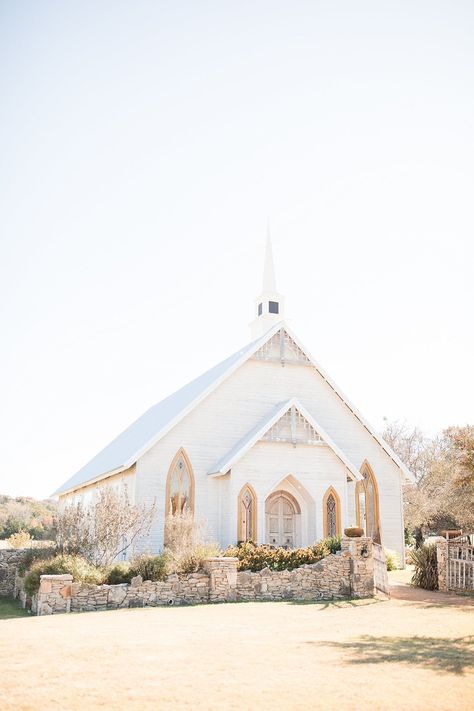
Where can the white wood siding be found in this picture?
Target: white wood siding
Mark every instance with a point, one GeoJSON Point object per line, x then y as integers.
{"type": "Point", "coordinates": [229, 413]}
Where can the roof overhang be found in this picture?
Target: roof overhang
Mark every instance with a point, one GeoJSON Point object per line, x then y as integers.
{"type": "Point", "coordinates": [252, 437]}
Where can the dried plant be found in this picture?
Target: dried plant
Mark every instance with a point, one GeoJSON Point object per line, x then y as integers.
{"type": "Point", "coordinates": [107, 527]}
{"type": "Point", "coordinates": [186, 542]}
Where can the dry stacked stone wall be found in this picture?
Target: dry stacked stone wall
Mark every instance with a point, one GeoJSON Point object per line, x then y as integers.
{"type": "Point", "coordinates": [347, 574]}
{"type": "Point", "coordinates": [328, 579]}
{"type": "Point", "coordinates": [10, 560]}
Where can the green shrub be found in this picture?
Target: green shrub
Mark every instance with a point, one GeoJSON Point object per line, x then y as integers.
{"type": "Point", "coordinates": [150, 567]}
{"type": "Point", "coordinates": [118, 573]}
{"type": "Point", "coordinates": [392, 560]}
{"type": "Point", "coordinates": [333, 543]}
{"type": "Point", "coordinates": [35, 554]}
{"type": "Point", "coordinates": [426, 567]}
{"type": "Point", "coordinates": [252, 557]}
{"type": "Point", "coordinates": [409, 538]}
{"type": "Point", "coordinates": [80, 569]}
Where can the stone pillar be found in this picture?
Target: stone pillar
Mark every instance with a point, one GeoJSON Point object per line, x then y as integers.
{"type": "Point", "coordinates": [362, 565]}
{"type": "Point", "coordinates": [222, 578]}
{"type": "Point", "coordinates": [442, 562]}
{"type": "Point", "coordinates": [54, 594]}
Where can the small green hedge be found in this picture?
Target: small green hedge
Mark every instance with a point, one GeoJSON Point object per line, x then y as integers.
{"type": "Point", "coordinates": [252, 557]}
{"type": "Point", "coordinates": [35, 554]}
{"type": "Point", "coordinates": [78, 567]}
{"type": "Point", "coordinates": [151, 567]}
{"type": "Point", "coordinates": [118, 573]}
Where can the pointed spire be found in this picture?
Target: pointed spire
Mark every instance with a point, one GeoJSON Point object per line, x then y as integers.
{"type": "Point", "coordinates": [269, 282]}
{"type": "Point", "coordinates": [270, 304]}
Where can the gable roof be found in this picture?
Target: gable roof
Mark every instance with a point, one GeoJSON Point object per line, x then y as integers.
{"type": "Point", "coordinates": [252, 437]}
{"type": "Point", "coordinates": [142, 434]}
{"type": "Point", "coordinates": [125, 449]}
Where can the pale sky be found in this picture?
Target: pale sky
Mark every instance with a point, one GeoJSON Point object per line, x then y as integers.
{"type": "Point", "coordinates": [143, 146]}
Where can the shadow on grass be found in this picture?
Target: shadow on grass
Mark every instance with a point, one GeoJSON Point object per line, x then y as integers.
{"type": "Point", "coordinates": [441, 654]}
{"type": "Point", "coordinates": [10, 608]}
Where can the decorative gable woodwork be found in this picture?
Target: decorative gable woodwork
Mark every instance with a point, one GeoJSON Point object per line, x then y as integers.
{"type": "Point", "coordinates": [293, 427]}
{"type": "Point", "coordinates": [281, 348]}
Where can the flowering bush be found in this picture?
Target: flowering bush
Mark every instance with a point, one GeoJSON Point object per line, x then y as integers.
{"type": "Point", "coordinates": [253, 557]}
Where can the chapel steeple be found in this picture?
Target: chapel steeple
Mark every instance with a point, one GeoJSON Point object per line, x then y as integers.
{"type": "Point", "coordinates": [270, 304]}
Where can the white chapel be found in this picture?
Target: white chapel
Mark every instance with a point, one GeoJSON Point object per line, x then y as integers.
{"type": "Point", "coordinates": [263, 446]}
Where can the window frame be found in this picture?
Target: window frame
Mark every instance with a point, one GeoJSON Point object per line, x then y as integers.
{"type": "Point", "coordinates": [180, 454]}
{"type": "Point", "coordinates": [240, 522]}
{"type": "Point", "coordinates": [331, 491]}
{"type": "Point", "coordinates": [368, 475]}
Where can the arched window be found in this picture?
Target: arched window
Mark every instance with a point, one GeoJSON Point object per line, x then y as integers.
{"type": "Point", "coordinates": [367, 503]}
{"type": "Point", "coordinates": [247, 515]}
{"type": "Point", "coordinates": [180, 486]}
{"type": "Point", "coordinates": [331, 513]}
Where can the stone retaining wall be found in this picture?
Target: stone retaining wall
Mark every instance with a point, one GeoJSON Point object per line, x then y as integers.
{"type": "Point", "coordinates": [347, 574]}
{"type": "Point", "coordinates": [344, 575]}
{"type": "Point", "coordinates": [10, 559]}
{"type": "Point", "coordinates": [328, 579]}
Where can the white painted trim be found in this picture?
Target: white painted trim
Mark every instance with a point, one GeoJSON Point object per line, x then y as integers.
{"type": "Point", "coordinates": [227, 462]}
{"type": "Point", "coordinates": [388, 450]}
{"type": "Point", "coordinates": [246, 354]}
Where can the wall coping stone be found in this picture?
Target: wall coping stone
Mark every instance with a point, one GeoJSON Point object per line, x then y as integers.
{"type": "Point", "coordinates": [62, 576]}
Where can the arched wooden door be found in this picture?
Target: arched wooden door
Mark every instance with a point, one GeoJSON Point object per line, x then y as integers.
{"type": "Point", "coordinates": [281, 509]}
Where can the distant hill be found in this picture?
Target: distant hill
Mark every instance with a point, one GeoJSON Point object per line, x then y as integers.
{"type": "Point", "coordinates": [24, 513]}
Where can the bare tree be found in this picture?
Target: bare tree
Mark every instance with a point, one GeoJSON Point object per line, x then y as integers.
{"type": "Point", "coordinates": [104, 529]}
{"type": "Point", "coordinates": [443, 494]}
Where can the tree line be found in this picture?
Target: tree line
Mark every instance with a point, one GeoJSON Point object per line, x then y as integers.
{"type": "Point", "coordinates": [24, 513]}
{"type": "Point", "coordinates": [442, 495]}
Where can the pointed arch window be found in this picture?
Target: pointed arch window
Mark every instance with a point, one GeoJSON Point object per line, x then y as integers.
{"type": "Point", "coordinates": [331, 513]}
{"type": "Point", "coordinates": [247, 514]}
{"type": "Point", "coordinates": [367, 503]}
{"type": "Point", "coordinates": [180, 486]}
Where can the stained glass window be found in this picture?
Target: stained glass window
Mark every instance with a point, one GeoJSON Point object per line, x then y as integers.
{"type": "Point", "coordinates": [180, 485]}
{"type": "Point", "coordinates": [331, 515]}
{"type": "Point", "coordinates": [247, 528]}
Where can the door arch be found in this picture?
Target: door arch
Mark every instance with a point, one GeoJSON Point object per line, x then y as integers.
{"type": "Point", "coordinates": [281, 510]}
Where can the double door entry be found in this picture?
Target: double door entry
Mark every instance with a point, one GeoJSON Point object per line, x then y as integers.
{"type": "Point", "coordinates": [281, 510]}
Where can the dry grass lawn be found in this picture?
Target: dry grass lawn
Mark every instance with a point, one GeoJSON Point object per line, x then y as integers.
{"type": "Point", "coordinates": [373, 654]}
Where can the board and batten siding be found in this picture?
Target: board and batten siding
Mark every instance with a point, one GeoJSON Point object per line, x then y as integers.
{"type": "Point", "coordinates": [119, 481]}
{"type": "Point", "coordinates": [229, 413]}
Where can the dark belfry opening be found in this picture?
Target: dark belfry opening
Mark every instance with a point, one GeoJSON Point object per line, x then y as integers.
{"type": "Point", "coordinates": [273, 307]}
{"type": "Point", "coordinates": [260, 309]}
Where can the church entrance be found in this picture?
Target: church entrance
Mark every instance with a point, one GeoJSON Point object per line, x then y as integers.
{"type": "Point", "coordinates": [281, 510]}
